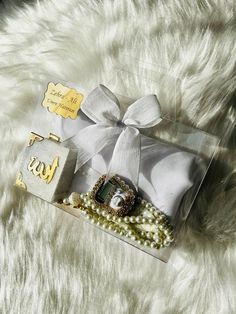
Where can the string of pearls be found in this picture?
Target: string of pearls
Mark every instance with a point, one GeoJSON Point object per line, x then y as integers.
{"type": "Point", "coordinates": [127, 226]}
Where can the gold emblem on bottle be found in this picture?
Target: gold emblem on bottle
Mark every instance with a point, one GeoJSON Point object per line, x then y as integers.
{"type": "Point", "coordinates": [39, 168]}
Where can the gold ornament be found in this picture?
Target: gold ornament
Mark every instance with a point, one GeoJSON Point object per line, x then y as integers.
{"type": "Point", "coordinates": [38, 168]}
{"type": "Point", "coordinates": [19, 182]}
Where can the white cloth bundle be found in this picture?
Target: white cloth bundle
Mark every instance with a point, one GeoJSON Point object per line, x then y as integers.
{"type": "Point", "coordinates": [109, 142]}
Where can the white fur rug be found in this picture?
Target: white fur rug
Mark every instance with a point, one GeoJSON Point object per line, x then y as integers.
{"type": "Point", "coordinates": [51, 262]}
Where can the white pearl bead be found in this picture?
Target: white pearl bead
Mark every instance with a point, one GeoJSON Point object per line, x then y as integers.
{"type": "Point", "coordinates": [144, 220]}
{"type": "Point", "coordinates": [126, 219]}
{"type": "Point", "coordinates": [147, 242]}
{"type": "Point", "coordinates": [133, 238]}
{"type": "Point", "coordinates": [130, 233]}
{"type": "Point", "coordinates": [109, 217]}
{"type": "Point", "coordinates": [156, 237]}
{"type": "Point", "coordinates": [152, 209]}
{"type": "Point", "coordinates": [66, 201]}
{"type": "Point", "coordinates": [132, 219]}
{"type": "Point", "coordinates": [119, 220]}
{"type": "Point", "coordinates": [167, 239]}
{"type": "Point", "coordinates": [143, 202]}
{"type": "Point", "coordinates": [143, 233]}
{"type": "Point", "coordinates": [153, 245]}
{"type": "Point", "coordinates": [138, 219]}
{"type": "Point", "coordinates": [162, 217]}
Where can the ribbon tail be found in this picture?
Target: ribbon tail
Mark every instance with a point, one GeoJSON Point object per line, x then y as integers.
{"type": "Point", "coordinates": [125, 159]}
{"type": "Point", "coordinates": [90, 141]}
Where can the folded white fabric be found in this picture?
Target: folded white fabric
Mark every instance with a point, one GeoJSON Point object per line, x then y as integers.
{"type": "Point", "coordinates": [166, 173]}
{"type": "Point", "coordinates": [115, 146]}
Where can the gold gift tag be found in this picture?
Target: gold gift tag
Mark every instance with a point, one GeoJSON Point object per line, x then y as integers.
{"type": "Point", "coordinates": [62, 100]}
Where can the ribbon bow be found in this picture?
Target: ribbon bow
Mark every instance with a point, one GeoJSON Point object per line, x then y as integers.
{"type": "Point", "coordinates": [103, 108]}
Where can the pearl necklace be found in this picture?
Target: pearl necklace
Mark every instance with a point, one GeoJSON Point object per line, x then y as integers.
{"type": "Point", "coordinates": [130, 227]}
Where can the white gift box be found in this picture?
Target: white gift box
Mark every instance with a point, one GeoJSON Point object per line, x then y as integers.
{"type": "Point", "coordinates": [108, 139]}
{"type": "Point", "coordinates": [47, 168]}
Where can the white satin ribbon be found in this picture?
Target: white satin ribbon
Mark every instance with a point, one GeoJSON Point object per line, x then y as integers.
{"type": "Point", "coordinates": [103, 108]}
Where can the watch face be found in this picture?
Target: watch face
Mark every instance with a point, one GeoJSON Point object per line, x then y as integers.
{"type": "Point", "coordinates": [114, 195]}
{"type": "Point", "coordinates": [104, 192]}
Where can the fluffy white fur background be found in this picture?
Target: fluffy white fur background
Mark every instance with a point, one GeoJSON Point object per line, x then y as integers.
{"type": "Point", "coordinates": [49, 261]}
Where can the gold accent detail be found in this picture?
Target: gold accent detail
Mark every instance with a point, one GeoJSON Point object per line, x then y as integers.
{"type": "Point", "coordinates": [117, 182]}
{"type": "Point", "coordinates": [38, 168]}
{"type": "Point", "coordinates": [54, 137]}
{"type": "Point", "coordinates": [19, 182]}
{"type": "Point", "coordinates": [34, 137]}
{"type": "Point", "coordinates": [62, 100]}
